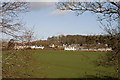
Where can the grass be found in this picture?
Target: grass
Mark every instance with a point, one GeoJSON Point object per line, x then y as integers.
{"type": "Point", "coordinates": [55, 64]}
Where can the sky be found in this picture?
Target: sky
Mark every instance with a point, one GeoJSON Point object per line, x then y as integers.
{"type": "Point", "coordinates": [47, 21]}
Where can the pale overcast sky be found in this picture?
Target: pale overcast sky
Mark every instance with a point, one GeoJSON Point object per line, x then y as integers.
{"type": "Point", "coordinates": [48, 21]}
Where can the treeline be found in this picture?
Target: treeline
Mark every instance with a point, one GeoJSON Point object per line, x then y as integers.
{"type": "Point", "coordinates": [81, 39]}
{"type": "Point", "coordinates": [88, 41]}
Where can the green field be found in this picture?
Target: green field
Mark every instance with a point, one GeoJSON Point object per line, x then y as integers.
{"type": "Point", "coordinates": [54, 64]}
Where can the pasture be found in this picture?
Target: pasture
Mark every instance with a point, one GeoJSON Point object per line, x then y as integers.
{"type": "Point", "coordinates": [54, 64]}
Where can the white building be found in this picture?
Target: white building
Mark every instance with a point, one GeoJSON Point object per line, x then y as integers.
{"type": "Point", "coordinates": [37, 47]}
{"type": "Point", "coordinates": [52, 46]}
{"type": "Point", "coordinates": [104, 49]}
{"type": "Point", "coordinates": [70, 48]}
{"type": "Point", "coordinates": [32, 47]}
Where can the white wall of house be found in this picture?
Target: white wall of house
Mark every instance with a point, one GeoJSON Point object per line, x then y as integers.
{"type": "Point", "coordinates": [32, 47]}
{"type": "Point", "coordinates": [104, 49]}
{"type": "Point", "coordinates": [86, 49]}
{"type": "Point", "coordinates": [52, 46]}
{"type": "Point", "coordinates": [70, 48]}
{"type": "Point", "coordinates": [108, 49]}
{"type": "Point", "coordinates": [37, 47]}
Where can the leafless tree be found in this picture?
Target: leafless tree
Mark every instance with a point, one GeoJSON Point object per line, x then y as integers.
{"type": "Point", "coordinates": [108, 15]}
{"type": "Point", "coordinates": [27, 36]}
{"type": "Point", "coordinates": [106, 10]}
{"type": "Point", "coordinates": [11, 25]}
{"type": "Point", "coordinates": [9, 12]}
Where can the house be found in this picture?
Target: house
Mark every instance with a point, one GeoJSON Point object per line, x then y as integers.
{"type": "Point", "coordinates": [70, 48]}
{"type": "Point", "coordinates": [104, 49]}
{"type": "Point", "coordinates": [37, 47]}
{"type": "Point", "coordinates": [24, 47]}
{"type": "Point", "coordinates": [108, 49]}
{"type": "Point", "coordinates": [18, 47]}
{"type": "Point", "coordinates": [52, 46]}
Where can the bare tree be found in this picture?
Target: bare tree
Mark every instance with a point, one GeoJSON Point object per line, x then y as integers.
{"type": "Point", "coordinates": [27, 36]}
{"type": "Point", "coordinates": [11, 25]}
{"type": "Point", "coordinates": [108, 15]}
{"type": "Point", "coordinates": [96, 7]}
{"type": "Point", "coordinates": [9, 11]}
{"type": "Point", "coordinates": [108, 11]}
